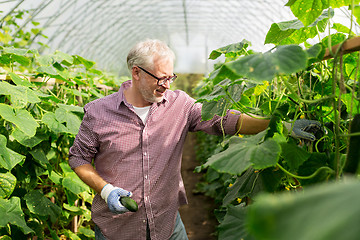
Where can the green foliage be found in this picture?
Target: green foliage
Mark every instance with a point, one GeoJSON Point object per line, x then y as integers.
{"type": "Point", "coordinates": [326, 211]}
{"type": "Point", "coordinates": [245, 152]}
{"type": "Point", "coordinates": [41, 100]}
{"type": "Point", "coordinates": [294, 32]}
{"type": "Point", "coordinates": [287, 83]}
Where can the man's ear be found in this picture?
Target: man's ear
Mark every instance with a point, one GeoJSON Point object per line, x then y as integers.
{"type": "Point", "coordinates": [135, 73]}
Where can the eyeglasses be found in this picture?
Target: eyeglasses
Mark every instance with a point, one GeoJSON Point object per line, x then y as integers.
{"type": "Point", "coordinates": [161, 81]}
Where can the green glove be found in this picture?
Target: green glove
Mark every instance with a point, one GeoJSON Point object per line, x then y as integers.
{"type": "Point", "coordinates": [304, 128]}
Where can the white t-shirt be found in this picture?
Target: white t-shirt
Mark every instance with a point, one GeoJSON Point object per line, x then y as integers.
{"type": "Point", "coordinates": [142, 112]}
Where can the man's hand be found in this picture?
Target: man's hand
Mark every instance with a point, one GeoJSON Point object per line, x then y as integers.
{"type": "Point", "coordinates": [304, 129]}
{"type": "Point", "coordinates": [112, 196]}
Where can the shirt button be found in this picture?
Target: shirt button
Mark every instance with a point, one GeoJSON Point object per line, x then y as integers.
{"type": "Point", "coordinates": [144, 221]}
{"type": "Point", "coordinates": [145, 198]}
{"type": "Point", "coordinates": [145, 176]}
{"type": "Point", "coordinates": [144, 153]}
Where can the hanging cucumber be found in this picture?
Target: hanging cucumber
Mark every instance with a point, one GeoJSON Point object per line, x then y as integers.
{"type": "Point", "coordinates": [129, 203]}
{"type": "Point", "coordinates": [353, 154]}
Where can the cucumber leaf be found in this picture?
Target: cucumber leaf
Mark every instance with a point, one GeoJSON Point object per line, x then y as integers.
{"type": "Point", "coordinates": [10, 212]}
{"type": "Point", "coordinates": [326, 211]}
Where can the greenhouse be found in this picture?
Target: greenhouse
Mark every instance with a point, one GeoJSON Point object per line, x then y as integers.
{"type": "Point", "coordinates": [179, 119]}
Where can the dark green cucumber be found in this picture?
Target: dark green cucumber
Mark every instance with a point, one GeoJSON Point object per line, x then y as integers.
{"type": "Point", "coordinates": [129, 203]}
{"type": "Point", "coordinates": [353, 153]}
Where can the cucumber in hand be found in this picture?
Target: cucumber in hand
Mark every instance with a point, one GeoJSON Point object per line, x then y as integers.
{"type": "Point", "coordinates": [129, 203]}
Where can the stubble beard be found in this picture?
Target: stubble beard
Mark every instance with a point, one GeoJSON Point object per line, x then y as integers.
{"type": "Point", "coordinates": [148, 94]}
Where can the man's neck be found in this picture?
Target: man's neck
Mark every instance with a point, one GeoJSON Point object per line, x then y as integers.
{"type": "Point", "coordinates": [134, 98]}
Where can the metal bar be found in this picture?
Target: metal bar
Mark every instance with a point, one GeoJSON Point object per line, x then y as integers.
{"type": "Point", "coordinates": [2, 19]}
{"type": "Point", "coordinates": [51, 19]}
{"type": "Point", "coordinates": [68, 22]}
{"type": "Point", "coordinates": [185, 22]}
{"type": "Point", "coordinates": [33, 14]}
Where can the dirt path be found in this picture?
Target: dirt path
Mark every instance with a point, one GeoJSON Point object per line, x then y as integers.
{"type": "Point", "coordinates": [197, 216]}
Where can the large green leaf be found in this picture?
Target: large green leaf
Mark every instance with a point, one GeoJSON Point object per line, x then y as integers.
{"type": "Point", "coordinates": [265, 66]}
{"type": "Point", "coordinates": [243, 186]}
{"type": "Point", "coordinates": [326, 211]}
{"type": "Point", "coordinates": [55, 177]}
{"type": "Point", "coordinates": [20, 117]}
{"type": "Point", "coordinates": [60, 57]}
{"type": "Point", "coordinates": [27, 141]}
{"type": "Point", "coordinates": [71, 108]}
{"type": "Point", "coordinates": [72, 121]}
{"type": "Point", "coordinates": [8, 158]}
{"type": "Point", "coordinates": [50, 120]}
{"type": "Point", "coordinates": [294, 31]}
{"type": "Point", "coordinates": [218, 91]}
{"type": "Point", "coordinates": [10, 212]}
{"type": "Point", "coordinates": [252, 182]}
{"type": "Point", "coordinates": [316, 53]}
{"type": "Point", "coordinates": [63, 120]}
{"type": "Point", "coordinates": [233, 227]}
{"type": "Point", "coordinates": [245, 152]}
{"type": "Point", "coordinates": [222, 73]}
{"type": "Point", "coordinates": [212, 108]}
{"type": "Point", "coordinates": [19, 95]}
{"type": "Point", "coordinates": [226, 87]}
{"type": "Point", "coordinates": [342, 29]}
{"type": "Point", "coordinates": [48, 70]}
{"type": "Point", "coordinates": [16, 51]}
{"type": "Point", "coordinates": [72, 182]}
{"type": "Point", "coordinates": [18, 55]}
{"type": "Point", "coordinates": [230, 50]}
{"type": "Point", "coordinates": [356, 13]}
{"type": "Point", "coordinates": [20, 81]}
{"type": "Point", "coordinates": [87, 232]}
{"type": "Point", "coordinates": [39, 156]}
{"type": "Point", "coordinates": [350, 103]}
{"type": "Point", "coordinates": [307, 11]}
{"type": "Point", "coordinates": [4, 152]}
{"type": "Point", "coordinates": [38, 204]}
{"type": "Point", "coordinates": [80, 60]}
{"type": "Point", "coordinates": [44, 60]}
{"type": "Point", "coordinates": [312, 164]}
{"type": "Point", "coordinates": [7, 186]}
{"type": "Point", "coordinates": [294, 155]}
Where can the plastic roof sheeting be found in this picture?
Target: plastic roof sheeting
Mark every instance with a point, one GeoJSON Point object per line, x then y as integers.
{"type": "Point", "coordinates": [104, 31]}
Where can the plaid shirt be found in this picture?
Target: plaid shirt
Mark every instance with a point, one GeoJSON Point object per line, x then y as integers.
{"type": "Point", "coordinates": [143, 159]}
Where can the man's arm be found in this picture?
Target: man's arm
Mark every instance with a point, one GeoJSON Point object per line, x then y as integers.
{"type": "Point", "coordinates": [301, 128]}
{"type": "Point", "coordinates": [251, 125]}
{"type": "Point", "coordinates": [88, 175]}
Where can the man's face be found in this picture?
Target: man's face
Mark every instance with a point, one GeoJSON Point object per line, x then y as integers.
{"type": "Point", "coordinates": [150, 91]}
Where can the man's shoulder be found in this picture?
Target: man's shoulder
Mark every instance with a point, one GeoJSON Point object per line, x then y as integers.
{"type": "Point", "coordinates": [102, 103]}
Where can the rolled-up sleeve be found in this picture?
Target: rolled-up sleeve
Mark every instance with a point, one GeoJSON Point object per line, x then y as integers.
{"type": "Point", "coordinates": [85, 145]}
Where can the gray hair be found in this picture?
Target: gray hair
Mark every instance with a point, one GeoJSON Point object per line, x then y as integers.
{"type": "Point", "coordinates": [143, 53]}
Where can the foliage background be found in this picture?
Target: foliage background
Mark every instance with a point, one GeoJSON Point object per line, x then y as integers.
{"type": "Point", "coordinates": [267, 186]}
{"type": "Point", "coordinates": [270, 185]}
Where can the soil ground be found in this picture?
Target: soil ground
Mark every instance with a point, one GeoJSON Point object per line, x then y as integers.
{"type": "Point", "coordinates": [197, 216]}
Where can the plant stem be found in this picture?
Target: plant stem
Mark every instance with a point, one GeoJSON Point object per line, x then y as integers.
{"type": "Point", "coordinates": [336, 102]}
{"type": "Point", "coordinates": [289, 87]}
{"type": "Point", "coordinates": [305, 177]}
{"type": "Point", "coordinates": [350, 134]}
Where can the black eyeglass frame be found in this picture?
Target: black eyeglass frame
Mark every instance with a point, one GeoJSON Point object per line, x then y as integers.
{"type": "Point", "coordinates": [160, 81]}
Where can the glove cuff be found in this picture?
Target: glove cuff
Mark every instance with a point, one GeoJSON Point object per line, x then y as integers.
{"type": "Point", "coordinates": [106, 191]}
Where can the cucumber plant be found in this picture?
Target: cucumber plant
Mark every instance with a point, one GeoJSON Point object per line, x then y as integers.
{"type": "Point", "coordinates": [41, 99]}
{"type": "Point", "coordinates": [289, 82]}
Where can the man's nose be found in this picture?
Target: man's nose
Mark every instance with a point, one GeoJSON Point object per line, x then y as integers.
{"type": "Point", "coordinates": [166, 84]}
